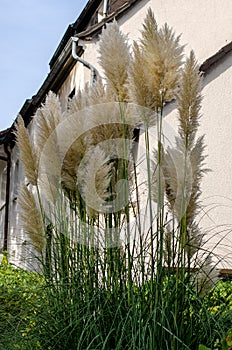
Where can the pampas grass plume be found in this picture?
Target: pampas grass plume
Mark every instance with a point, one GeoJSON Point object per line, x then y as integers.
{"type": "Point", "coordinates": [162, 60]}
{"type": "Point", "coordinates": [31, 218]}
{"type": "Point", "coordinates": [79, 101]}
{"type": "Point", "coordinates": [189, 100]}
{"type": "Point", "coordinates": [114, 57]}
{"type": "Point", "coordinates": [137, 85]}
{"type": "Point", "coordinates": [27, 152]}
{"type": "Point", "coordinates": [46, 120]}
{"type": "Point", "coordinates": [94, 179]}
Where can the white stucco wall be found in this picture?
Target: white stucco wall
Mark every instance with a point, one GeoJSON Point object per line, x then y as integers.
{"type": "Point", "coordinates": [206, 26]}
{"type": "Point", "coordinates": [215, 217]}
{"type": "Point", "coordinates": [2, 199]}
{"type": "Point", "coordinates": [77, 79]}
{"type": "Point", "coordinates": [216, 124]}
{"type": "Point", "coordinates": [17, 238]}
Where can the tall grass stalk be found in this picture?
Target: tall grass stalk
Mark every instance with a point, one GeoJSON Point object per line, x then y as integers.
{"type": "Point", "coordinates": [120, 258]}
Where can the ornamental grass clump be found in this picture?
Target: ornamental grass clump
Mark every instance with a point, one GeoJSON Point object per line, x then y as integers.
{"type": "Point", "coordinates": [114, 52]}
{"type": "Point", "coordinates": [118, 234]}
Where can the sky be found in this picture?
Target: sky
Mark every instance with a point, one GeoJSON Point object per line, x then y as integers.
{"type": "Point", "coordinates": [30, 32]}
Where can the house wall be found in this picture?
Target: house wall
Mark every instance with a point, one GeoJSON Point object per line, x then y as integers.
{"type": "Point", "coordinates": [215, 217]}
{"type": "Point", "coordinates": [76, 79]}
{"type": "Point", "coordinates": [2, 199]}
{"type": "Point", "coordinates": [216, 124]}
{"type": "Point", "coordinates": [205, 27]}
{"type": "Point", "coordinates": [20, 252]}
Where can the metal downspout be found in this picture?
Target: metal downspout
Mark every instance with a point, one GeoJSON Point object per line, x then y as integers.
{"type": "Point", "coordinates": [105, 8]}
{"type": "Point", "coordinates": [94, 72]}
{"type": "Point", "coordinates": [6, 221]}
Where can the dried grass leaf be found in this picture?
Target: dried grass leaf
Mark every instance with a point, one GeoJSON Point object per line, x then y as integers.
{"type": "Point", "coordinates": [31, 218]}
{"type": "Point", "coordinates": [28, 154]}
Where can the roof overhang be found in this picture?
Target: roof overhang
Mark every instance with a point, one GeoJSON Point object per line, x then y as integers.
{"type": "Point", "coordinates": [62, 61]}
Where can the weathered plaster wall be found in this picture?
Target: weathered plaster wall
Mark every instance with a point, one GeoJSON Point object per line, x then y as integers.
{"type": "Point", "coordinates": [216, 124]}
{"type": "Point", "coordinates": [215, 218]}
{"type": "Point", "coordinates": [17, 238]}
{"type": "Point", "coordinates": [2, 198]}
{"type": "Point", "coordinates": [205, 27]}
{"type": "Point", "coordinates": [77, 79]}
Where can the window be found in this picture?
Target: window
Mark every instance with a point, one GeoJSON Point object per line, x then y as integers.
{"type": "Point", "coordinates": [72, 93]}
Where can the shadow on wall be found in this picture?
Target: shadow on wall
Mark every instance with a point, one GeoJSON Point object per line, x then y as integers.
{"type": "Point", "coordinates": [217, 69]}
{"type": "Point", "coordinates": [210, 75]}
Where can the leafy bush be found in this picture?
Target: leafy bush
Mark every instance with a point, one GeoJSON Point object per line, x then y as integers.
{"type": "Point", "coordinates": [219, 302]}
{"type": "Point", "coordinates": [20, 302]}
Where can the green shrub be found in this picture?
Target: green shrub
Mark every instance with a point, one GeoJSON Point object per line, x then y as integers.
{"type": "Point", "coordinates": [20, 302]}
{"type": "Point", "coordinates": [220, 298]}
{"type": "Point", "coordinates": [219, 303]}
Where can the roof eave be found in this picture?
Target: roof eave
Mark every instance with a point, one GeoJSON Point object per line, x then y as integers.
{"type": "Point", "coordinates": [53, 83]}
{"type": "Point", "coordinates": [78, 26]}
{"type": "Point", "coordinates": [96, 28]}
{"type": "Point", "coordinates": [217, 57]}
{"type": "Point", "coordinates": [63, 61]}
